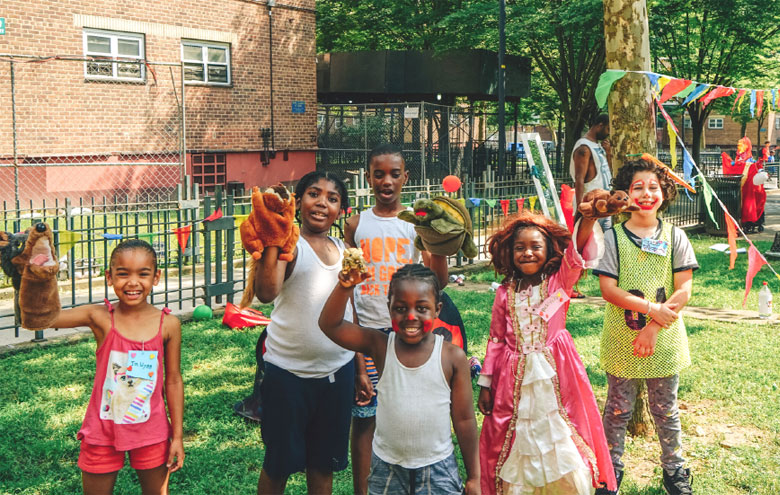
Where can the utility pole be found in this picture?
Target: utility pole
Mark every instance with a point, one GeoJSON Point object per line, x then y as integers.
{"type": "Point", "coordinates": [501, 88]}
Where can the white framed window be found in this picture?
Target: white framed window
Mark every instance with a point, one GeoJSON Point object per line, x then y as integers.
{"type": "Point", "coordinates": [777, 122]}
{"type": "Point", "coordinates": [715, 123]}
{"type": "Point", "coordinates": [114, 55]}
{"type": "Point", "coordinates": [206, 62]}
{"type": "Point", "coordinates": [687, 123]}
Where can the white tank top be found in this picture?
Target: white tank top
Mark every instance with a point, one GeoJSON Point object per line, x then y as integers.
{"type": "Point", "coordinates": [387, 244]}
{"type": "Point", "coordinates": [603, 176]}
{"type": "Point", "coordinates": [295, 342]}
{"type": "Point", "coordinates": [413, 415]}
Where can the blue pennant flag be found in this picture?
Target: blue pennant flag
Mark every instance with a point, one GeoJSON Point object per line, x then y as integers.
{"type": "Point", "coordinates": [688, 171]}
{"type": "Point", "coordinates": [112, 237]}
{"type": "Point", "coordinates": [696, 93]}
{"type": "Point", "coordinates": [475, 201]}
{"type": "Point", "coordinates": [653, 77]}
{"type": "Point", "coordinates": [753, 103]}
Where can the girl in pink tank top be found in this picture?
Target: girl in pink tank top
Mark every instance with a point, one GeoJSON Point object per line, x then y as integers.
{"type": "Point", "coordinates": [138, 355]}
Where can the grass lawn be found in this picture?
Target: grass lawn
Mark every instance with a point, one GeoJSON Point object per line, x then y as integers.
{"type": "Point", "coordinates": [731, 415]}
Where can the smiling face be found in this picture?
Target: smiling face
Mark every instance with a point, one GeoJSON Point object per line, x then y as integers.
{"type": "Point", "coordinates": [320, 206]}
{"type": "Point", "coordinates": [413, 308]}
{"type": "Point", "coordinates": [387, 175]}
{"type": "Point", "coordinates": [530, 251]}
{"type": "Point", "coordinates": [132, 274]}
{"type": "Point", "coordinates": [646, 192]}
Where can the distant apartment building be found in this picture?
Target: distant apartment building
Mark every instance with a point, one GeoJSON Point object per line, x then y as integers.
{"type": "Point", "coordinates": [105, 97]}
{"type": "Point", "coordinates": [723, 132]}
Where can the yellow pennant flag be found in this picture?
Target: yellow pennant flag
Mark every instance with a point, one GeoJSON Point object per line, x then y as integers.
{"type": "Point", "coordinates": [239, 219]}
{"type": "Point", "coordinates": [672, 144]}
{"type": "Point", "coordinates": [68, 239]}
{"type": "Point", "coordinates": [662, 82]}
{"type": "Point", "coordinates": [532, 200]}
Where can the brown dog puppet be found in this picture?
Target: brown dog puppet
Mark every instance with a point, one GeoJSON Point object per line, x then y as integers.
{"type": "Point", "coordinates": [39, 301]}
{"type": "Point", "coordinates": [271, 223]}
{"type": "Point", "coordinates": [599, 203]}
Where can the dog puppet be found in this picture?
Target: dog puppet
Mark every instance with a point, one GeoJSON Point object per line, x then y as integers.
{"type": "Point", "coordinates": [36, 266]}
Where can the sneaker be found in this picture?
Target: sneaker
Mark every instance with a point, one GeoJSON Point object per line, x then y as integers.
{"type": "Point", "coordinates": [244, 409]}
{"type": "Point", "coordinates": [604, 491]}
{"type": "Point", "coordinates": [678, 482]}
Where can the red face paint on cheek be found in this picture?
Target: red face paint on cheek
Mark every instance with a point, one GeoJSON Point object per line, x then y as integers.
{"type": "Point", "coordinates": [427, 326]}
{"type": "Point", "coordinates": [396, 327]}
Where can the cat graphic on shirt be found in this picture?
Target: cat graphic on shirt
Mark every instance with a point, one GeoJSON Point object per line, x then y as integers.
{"type": "Point", "coordinates": [125, 398]}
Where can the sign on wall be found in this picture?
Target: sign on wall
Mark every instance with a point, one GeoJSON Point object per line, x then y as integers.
{"type": "Point", "coordinates": [299, 107]}
{"type": "Point", "coordinates": [2, 25]}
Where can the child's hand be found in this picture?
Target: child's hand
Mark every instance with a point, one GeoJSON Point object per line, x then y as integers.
{"type": "Point", "coordinates": [352, 278]}
{"type": "Point", "coordinates": [644, 343]}
{"type": "Point", "coordinates": [472, 487]}
{"type": "Point", "coordinates": [485, 401]}
{"type": "Point", "coordinates": [364, 390]}
{"type": "Point", "coordinates": [353, 268]}
{"type": "Point", "coordinates": [663, 314]}
{"type": "Point", "coordinates": [177, 453]}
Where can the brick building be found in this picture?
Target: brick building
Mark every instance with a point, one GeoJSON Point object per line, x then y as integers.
{"type": "Point", "coordinates": [103, 113]}
{"type": "Point", "coordinates": [722, 132]}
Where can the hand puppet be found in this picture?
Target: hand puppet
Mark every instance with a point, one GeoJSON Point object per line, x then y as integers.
{"type": "Point", "coordinates": [270, 224]}
{"type": "Point", "coordinates": [599, 203]}
{"type": "Point", "coordinates": [39, 301]}
{"type": "Point", "coordinates": [443, 226]}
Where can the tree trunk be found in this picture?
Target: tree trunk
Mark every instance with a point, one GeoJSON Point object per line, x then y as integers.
{"type": "Point", "coordinates": [631, 112]}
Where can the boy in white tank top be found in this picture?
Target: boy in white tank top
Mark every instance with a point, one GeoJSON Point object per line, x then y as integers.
{"type": "Point", "coordinates": [424, 384]}
{"type": "Point", "coordinates": [387, 243]}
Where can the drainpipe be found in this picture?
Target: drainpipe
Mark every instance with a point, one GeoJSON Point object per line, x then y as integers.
{"type": "Point", "coordinates": [271, 4]}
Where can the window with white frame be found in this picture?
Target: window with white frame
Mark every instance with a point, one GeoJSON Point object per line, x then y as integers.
{"type": "Point", "coordinates": [687, 123]}
{"type": "Point", "coordinates": [715, 123]}
{"type": "Point", "coordinates": [206, 62]}
{"type": "Point", "coordinates": [777, 122]}
{"type": "Point", "coordinates": [114, 55]}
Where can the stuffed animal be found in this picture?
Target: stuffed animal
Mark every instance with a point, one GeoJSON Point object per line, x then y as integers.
{"type": "Point", "coordinates": [39, 301]}
{"type": "Point", "coordinates": [443, 226]}
{"type": "Point", "coordinates": [599, 203]}
{"type": "Point", "coordinates": [12, 245]}
{"type": "Point", "coordinates": [271, 223]}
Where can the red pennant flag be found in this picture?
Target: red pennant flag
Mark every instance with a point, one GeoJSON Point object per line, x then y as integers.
{"type": "Point", "coordinates": [666, 116]}
{"type": "Point", "coordinates": [214, 216]}
{"type": "Point", "coordinates": [183, 235]}
{"type": "Point", "coordinates": [520, 202]}
{"type": "Point", "coordinates": [673, 87]}
{"type": "Point", "coordinates": [739, 97]}
{"type": "Point", "coordinates": [755, 262]}
{"type": "Point", "coordinates": [718, 92]}
{"type": "Point", "coordinates": [505, 206]}
{"type": "Point", "coordinates": [759, 102]}
{"type": "Point", "coordinates": [567, 205]}
{"type": "Point", "coordinates": [731, 228]}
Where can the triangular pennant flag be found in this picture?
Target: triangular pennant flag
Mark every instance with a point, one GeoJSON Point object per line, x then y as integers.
{"type": "Point", "coordinates": [653, 80]}
{"type": "Point", "coordinates": [731, 229]}
{"type": "Point", "coordinates": [532, 200]}
{"type": "Point", "coordinates": [753, 103]}
{"type": "Point", "coordinates": [183, 235]}
{"type": "Point", "coordinates": [718, 92]}
{"type": "Point", "coordinates": [491, 202]}
{"type": "Point", "coordinates": [239, 219]}
{"type": "Point", "coordinates": [687, 166]}
{"type": "Point", "coordinates": [505, 206]}
{"type": "Point", "coordinates": [567, 205]}
{"type": "Point", "coordinates": [606, 81]}
{"type": "Point", "coordinates": [520, 202]}
{"type": "Point", "coordinates": [214, 216]}
{"type": "Point", "coordinates": [700, 89]}
{"type": "Point", "coordinates": [475, 201]}
{"type": "Point", "coordinates": [740, 94]}
{"type": "Point", "coordinates": [672, 144]}
{"type": "Point", "coordinates": [774, 99]}
{"type": "Point", "coordinates": [666, 116]}
{"type": "Point", "coordinates": [690, 88]}
{"type": "Point", "coordinates": [708, 200]}
{"type": "Point", "coordinates": [662, 82]}
{"type": "Point", "coordinates": [755, 262]}
{"type": "Point", "coordinates": [147, 235]}
{"type": "Point", "coordinates": [113, 237]}
{"type": "Point", "coordinates": [739, 100]}
{"type": "Point", "coordinates": [759, 102]}
{"type": "Point", "coordinates": [673, 87]}
{"type": "Point", "coordinates": [68, 239]}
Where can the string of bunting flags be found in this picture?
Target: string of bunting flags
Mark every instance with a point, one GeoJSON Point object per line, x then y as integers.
{"type": "Point", "coordinates": [663, 88]}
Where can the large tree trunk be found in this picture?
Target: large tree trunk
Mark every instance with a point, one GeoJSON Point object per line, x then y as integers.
{"type": "Point", "coordinates": [631, 113]}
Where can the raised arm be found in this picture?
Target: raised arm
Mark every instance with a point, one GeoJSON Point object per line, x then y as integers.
{"type": "Point", "coordinates": [174, 391]}
{"type": "Point", "coordinates": [438, 265]}
{"type": "Point", "coordinates": [93, 316]}
{"type": "Point", "coordinates": [463, 420]}
{"type": "Point", "coordinates": [270, 274]}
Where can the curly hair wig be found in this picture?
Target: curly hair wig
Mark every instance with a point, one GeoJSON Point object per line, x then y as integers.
{"type": "Point", "coordinates": [625, 177]}
{"type": "Point", "coordinates": [501, 244]}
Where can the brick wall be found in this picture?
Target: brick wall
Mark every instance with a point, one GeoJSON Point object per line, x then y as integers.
{"type": "Point", "coordinates": [60, 113]}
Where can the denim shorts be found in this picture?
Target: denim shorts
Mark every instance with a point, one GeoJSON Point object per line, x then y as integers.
{"type": "Point", "coordinates": [390, 479]}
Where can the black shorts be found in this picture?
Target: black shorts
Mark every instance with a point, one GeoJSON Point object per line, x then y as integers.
{"type": "Point", "coordinates": [305, 421]}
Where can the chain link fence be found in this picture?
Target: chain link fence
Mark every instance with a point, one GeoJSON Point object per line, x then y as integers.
{"type": "Point", "coordinates": [84, 128]}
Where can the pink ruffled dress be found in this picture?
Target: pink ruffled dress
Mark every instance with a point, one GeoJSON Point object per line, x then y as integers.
{"type": "Point", "coordinates": [544, 435]}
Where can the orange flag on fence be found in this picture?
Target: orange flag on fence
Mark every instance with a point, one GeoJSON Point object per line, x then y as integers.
{"type": "Point", "coordinates": [731, 228]}
{"type": "Point", "coordinates": [520, 202]}
{"type": "Point", "coordinates": [183, 235]}
{"type": "Point", "coordinates": [755, 262]}
{"type": "Point", "coordinates": [214, 216]}
{"type": "Point", "coordinates": [505, 206]}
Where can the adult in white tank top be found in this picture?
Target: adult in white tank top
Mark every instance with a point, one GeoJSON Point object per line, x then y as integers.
{"type": "Point", "coordinates": [590, 166]}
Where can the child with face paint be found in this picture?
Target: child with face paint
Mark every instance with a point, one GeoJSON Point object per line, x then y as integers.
{"type": "Point", "coordinates": [425, 382]}
{"type": "Point", "coordinates": [542, 431]}
{"type": "Point", "coordinates": [646, 277]}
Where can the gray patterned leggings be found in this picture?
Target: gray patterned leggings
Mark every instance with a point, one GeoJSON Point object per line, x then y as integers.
{"type": "Point", "coordinates": [662, 396]}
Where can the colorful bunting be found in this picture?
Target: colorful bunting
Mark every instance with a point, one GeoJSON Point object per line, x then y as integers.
{"type": "Point", "coordinates": [491, 202]}
{"type": "Point", "coordinates": [532, 200]}
{"type": "Point", "coordinates": [690, 88]}
{"type": "Point", "coordinates": [755, 262]}
{"type": "Point", "coordinates": [214, 216]}
{"type": "Point", "coordinates": [673, 87]}
{"type": "Point", "coordinates": [520, 202]}
{"type": "Point", "coordinates": [475, 201]}
{"type": "Point", "coordinates": [718, 92]}
{"type": "Point", "coordinates": [672, 145]}
{"type": "Point", "coordinates": [669, 120]}
{"type": "Point", "coordinates": [68, 239]}
{"type": "Point", "coordinates": [604, 86]}
{"type": "Point", "coordinates": [708, 200]}
{"type": "Point", "coordinates": [753, 103]}
{"type": "Point", "coordinates": [112, 237]}
{"type": "Point", "coordinates": [759, 102]}
{"type": "Point", "coordinates": [700, 89]}
{"type": "Point", "coordinates": [731, 230]}
{"type": "Point", "coordinates": [505, 206]}
{"type": "Point", "coordinates": [183, 235]}
{"type": "Point", "coordinates": [567, 205]}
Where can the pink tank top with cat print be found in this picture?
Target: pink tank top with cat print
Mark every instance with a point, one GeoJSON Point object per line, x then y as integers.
{"type": "Point", "coordinates": [126, 409]}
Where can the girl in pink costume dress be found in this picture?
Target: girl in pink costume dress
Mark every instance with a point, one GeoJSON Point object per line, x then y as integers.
{"type": "Point", "coordinates": [542, 431]}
